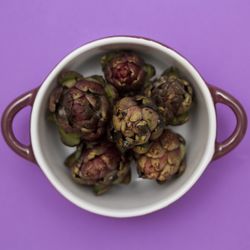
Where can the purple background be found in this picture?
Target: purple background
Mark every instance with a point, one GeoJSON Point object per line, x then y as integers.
{"type": "Point", "coordinates": [213, 35]}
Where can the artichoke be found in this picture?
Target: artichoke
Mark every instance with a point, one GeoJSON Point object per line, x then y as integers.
{"type": "Point", "coordinates": [163, 159]}
{"type": "Point", "coordinates": [100, 166]}
{"type": "Point", "coordinates": [79, 107]}
{"type": "Point", "coordinates": [125, 70]}
{"type": "Point", "coordinates": [135, 122]}
{"type": "Point", "coordinates": [173, 95]}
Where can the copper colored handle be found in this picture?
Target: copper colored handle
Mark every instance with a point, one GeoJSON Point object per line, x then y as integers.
{"type": "Point", "coordinates": [224, 147]}
{"type": "Point", "coordinates": [9, 114]}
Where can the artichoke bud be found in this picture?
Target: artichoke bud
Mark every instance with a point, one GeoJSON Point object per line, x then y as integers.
{"type": "Point", "coordinates": [125, 70]}
{"type": "Point", "coordinates": [135, 122]}
{"type": "Point", "coordinates": [173, 96]}
{"type": "Point", "coordinates": [100, 165]}
{"type": "Point", "coordinates": [80, 110]}
{"type": "Point", "coordinates": [163, 158]}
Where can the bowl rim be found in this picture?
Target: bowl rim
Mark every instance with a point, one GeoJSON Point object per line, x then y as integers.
{"type": "Point", "coordinates": [208, 154]}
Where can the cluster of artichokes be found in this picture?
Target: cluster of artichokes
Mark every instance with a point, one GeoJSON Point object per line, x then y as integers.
{"type": "Point", "coordinates": [121, 117]}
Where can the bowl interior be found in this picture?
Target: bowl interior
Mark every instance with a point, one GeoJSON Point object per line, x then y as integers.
{"type": "Point", "coordinates": [140, 196]}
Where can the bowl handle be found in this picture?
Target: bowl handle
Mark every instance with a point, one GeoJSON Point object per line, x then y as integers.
{"type": "Point", "coordinates": [9, 114]}
{"type": "Point", "coordinates": [224, 147]}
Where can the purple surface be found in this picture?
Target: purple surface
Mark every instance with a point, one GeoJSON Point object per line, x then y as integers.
{"type": "Point", "coordinates": [213, 35]}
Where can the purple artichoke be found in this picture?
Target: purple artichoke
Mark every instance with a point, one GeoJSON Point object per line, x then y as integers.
{"type": "Point", "coordinates": [80, 109]}
{"type": "Point", "coordinates": [173, 95]}
{"type": "Point", "coordinates": [99, 166]}
{"type": "Point", "coordinates": [163, 159]}
{"type": "Point", "coordinates": [126, 70]}
{"type": "Point", "coordinates": [135, 122]}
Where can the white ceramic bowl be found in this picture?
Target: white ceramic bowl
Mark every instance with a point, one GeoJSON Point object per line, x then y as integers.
{"type": "Point", "coordinates": [141, 196]}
